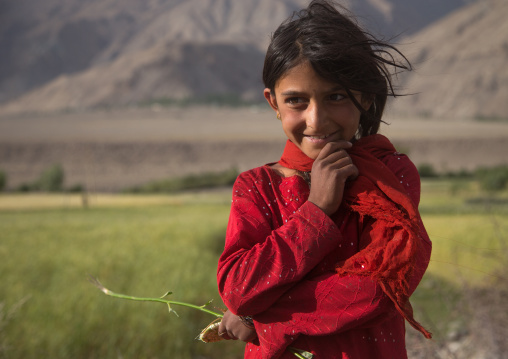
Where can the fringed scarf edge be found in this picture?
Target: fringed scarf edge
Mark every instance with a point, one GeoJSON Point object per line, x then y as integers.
{"type": "Point", "coordinates": [392, 280]}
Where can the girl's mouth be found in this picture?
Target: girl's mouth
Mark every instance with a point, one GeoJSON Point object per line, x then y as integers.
{"type": "Point", "coordinates": [318, 138]}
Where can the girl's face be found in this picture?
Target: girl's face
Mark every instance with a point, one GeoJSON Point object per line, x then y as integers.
{"type": "Point", "coordinates": [313, 110]}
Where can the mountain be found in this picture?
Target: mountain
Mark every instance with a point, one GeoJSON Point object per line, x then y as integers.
{"type": "Point", "coordinates": [60, 54]}
{"type": "Point", "coordinates": [460, 64]}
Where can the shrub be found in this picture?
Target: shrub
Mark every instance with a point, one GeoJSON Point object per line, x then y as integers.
{"type": "Point", "coordinates": [3, 180]}
{"type": "Point", "coordinates": [190, 182]}
{"type": "Point", "coordinates": [493, 179]}
{"type": "Point", "coordinates": [77, 188]}
{"type": "Point", "coordinates": [25, 187]}
{"type": "Point", "coordinates": [462, 173]}
{"type": "Point", "coordinates": [426, 170]}
{"type": "Point", "coordinates": [51, 180]}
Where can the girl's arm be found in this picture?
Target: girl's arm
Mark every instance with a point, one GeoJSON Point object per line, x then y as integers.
{"type": "Point", "coordinates": [329, 304]}
{"type": "Point", "coordinates": [260, 264]}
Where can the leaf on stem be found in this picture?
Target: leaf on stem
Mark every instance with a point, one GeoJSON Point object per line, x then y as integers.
{"type": "Point", "coordinates": [207, 303]}
{"type": "Point", "coordinates": [166, 294]}
{"type": "Point", "coordinates": [171, 310]}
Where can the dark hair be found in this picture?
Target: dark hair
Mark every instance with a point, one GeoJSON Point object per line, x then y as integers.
{"type": "Point", "coordinates": [340, 51]}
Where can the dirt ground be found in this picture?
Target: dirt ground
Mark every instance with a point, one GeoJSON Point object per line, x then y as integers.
{"type": "Point", "coordinates": [110, 150]}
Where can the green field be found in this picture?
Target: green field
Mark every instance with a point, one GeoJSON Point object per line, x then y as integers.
{"type": "Point", "coordinates": [147, 245]}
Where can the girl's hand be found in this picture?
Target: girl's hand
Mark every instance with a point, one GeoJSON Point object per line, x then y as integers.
{"type": "Point", "coordinates": [330, 170]}
{"type": "Point", "coordinates": [233, 328]}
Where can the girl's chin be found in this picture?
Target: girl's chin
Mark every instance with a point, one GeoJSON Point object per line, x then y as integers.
{"type": "Point", "coordinates": [312, 153]}
{"type": "Point", "coordinates": [312, 149]}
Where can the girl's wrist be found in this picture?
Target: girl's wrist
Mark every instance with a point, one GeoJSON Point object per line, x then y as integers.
{"type": "Point", "coordinates": [247, 321]}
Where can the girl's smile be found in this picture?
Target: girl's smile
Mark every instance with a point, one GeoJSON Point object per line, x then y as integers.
{"type": "Point", "coordinates": [314, 111]}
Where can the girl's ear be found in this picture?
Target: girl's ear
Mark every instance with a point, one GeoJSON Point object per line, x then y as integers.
{"type": "Point", "coordinates": [270, 98]}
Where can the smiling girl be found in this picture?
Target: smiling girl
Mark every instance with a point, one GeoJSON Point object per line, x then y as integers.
{"type": "Point", "coordinates": [324, 247]}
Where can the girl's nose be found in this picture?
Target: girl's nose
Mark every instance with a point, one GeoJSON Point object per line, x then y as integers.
{"type": "Point", "coordinates": [316, 117]}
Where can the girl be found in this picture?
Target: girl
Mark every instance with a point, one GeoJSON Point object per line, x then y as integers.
{"type": "Point", "coordinates": [324, 247]}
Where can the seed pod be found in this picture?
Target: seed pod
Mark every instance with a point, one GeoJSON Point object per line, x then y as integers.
{"type": "Point", "coordinates": [211, 333]}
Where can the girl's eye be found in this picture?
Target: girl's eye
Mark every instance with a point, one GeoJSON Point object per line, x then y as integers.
{"type": "Point", "coordinates": [294, 100]}
{"type": "Point", "coordinates": [337, 97]}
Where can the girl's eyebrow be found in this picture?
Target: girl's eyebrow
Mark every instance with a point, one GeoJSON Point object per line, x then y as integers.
{"type": "Point", "coordinates": [299, 93]}
{"type": "Point", "coordinates": [292, 93]}
{"type": "Point", "coordinates": [337, 88]}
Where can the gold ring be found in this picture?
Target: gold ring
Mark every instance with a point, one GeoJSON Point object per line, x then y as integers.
{"type": "Point", "coordinates": [221, 334]}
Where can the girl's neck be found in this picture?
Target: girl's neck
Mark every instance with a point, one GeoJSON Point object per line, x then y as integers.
{"type": "Point", "coordinates": [283, 171]}
{"type": "Point", "coordinates": [288, 172]}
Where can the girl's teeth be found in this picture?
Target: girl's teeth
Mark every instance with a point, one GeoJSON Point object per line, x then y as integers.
{"type": "Point", "coordinates": [318, 137]}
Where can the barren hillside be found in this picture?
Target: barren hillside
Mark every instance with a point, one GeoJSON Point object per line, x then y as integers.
{"type": "Point", "coordinates": [70, 54]}
{"type": "Point", "coordinates": [461, 65]}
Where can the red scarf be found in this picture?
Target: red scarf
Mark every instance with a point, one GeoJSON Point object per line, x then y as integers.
{"type": "Point", "coordinates": [377, 193]}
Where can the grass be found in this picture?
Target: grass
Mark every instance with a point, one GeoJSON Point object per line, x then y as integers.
{"type": "Point", "coordinates": [466, 248]}
{"type": "Point", "coordinates": [145, 245]}
{"type": "Point", "coordinates": [64, 201]}
{"type": "Point", "coordinates": [140, 250]}
{"type": "Point", "coordinates": [468, 229]}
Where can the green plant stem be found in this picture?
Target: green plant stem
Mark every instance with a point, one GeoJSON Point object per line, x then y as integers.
{"type": "Point", "coordinates": [158, 300]}
{"type": "Point", "coordinates": [95, 281]}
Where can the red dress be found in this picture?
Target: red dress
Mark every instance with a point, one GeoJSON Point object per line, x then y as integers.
{"type": "Point", "coordinates": [279, 266]}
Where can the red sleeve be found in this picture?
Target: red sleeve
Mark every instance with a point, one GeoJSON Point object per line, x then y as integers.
{"type": "Point", "coordinates": [285, 301]}
{"type": "Point", "coordinates": [328, 304]}
{"type": "Point", "coordinates": [324, 305]}
{"type": "Point", "coordinates": [259, 264]}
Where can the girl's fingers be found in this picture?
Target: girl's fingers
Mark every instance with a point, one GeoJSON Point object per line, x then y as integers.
{"type": "Point", "coordinates": [334, 160]}
{"type": "Point", "coordinates": [333, 147]}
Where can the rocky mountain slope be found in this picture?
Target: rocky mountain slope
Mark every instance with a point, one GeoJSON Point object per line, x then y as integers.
{"type": "Point", "coordinates": [461, 65]}
{"type": "Point", "coordinates": [71, 54]}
